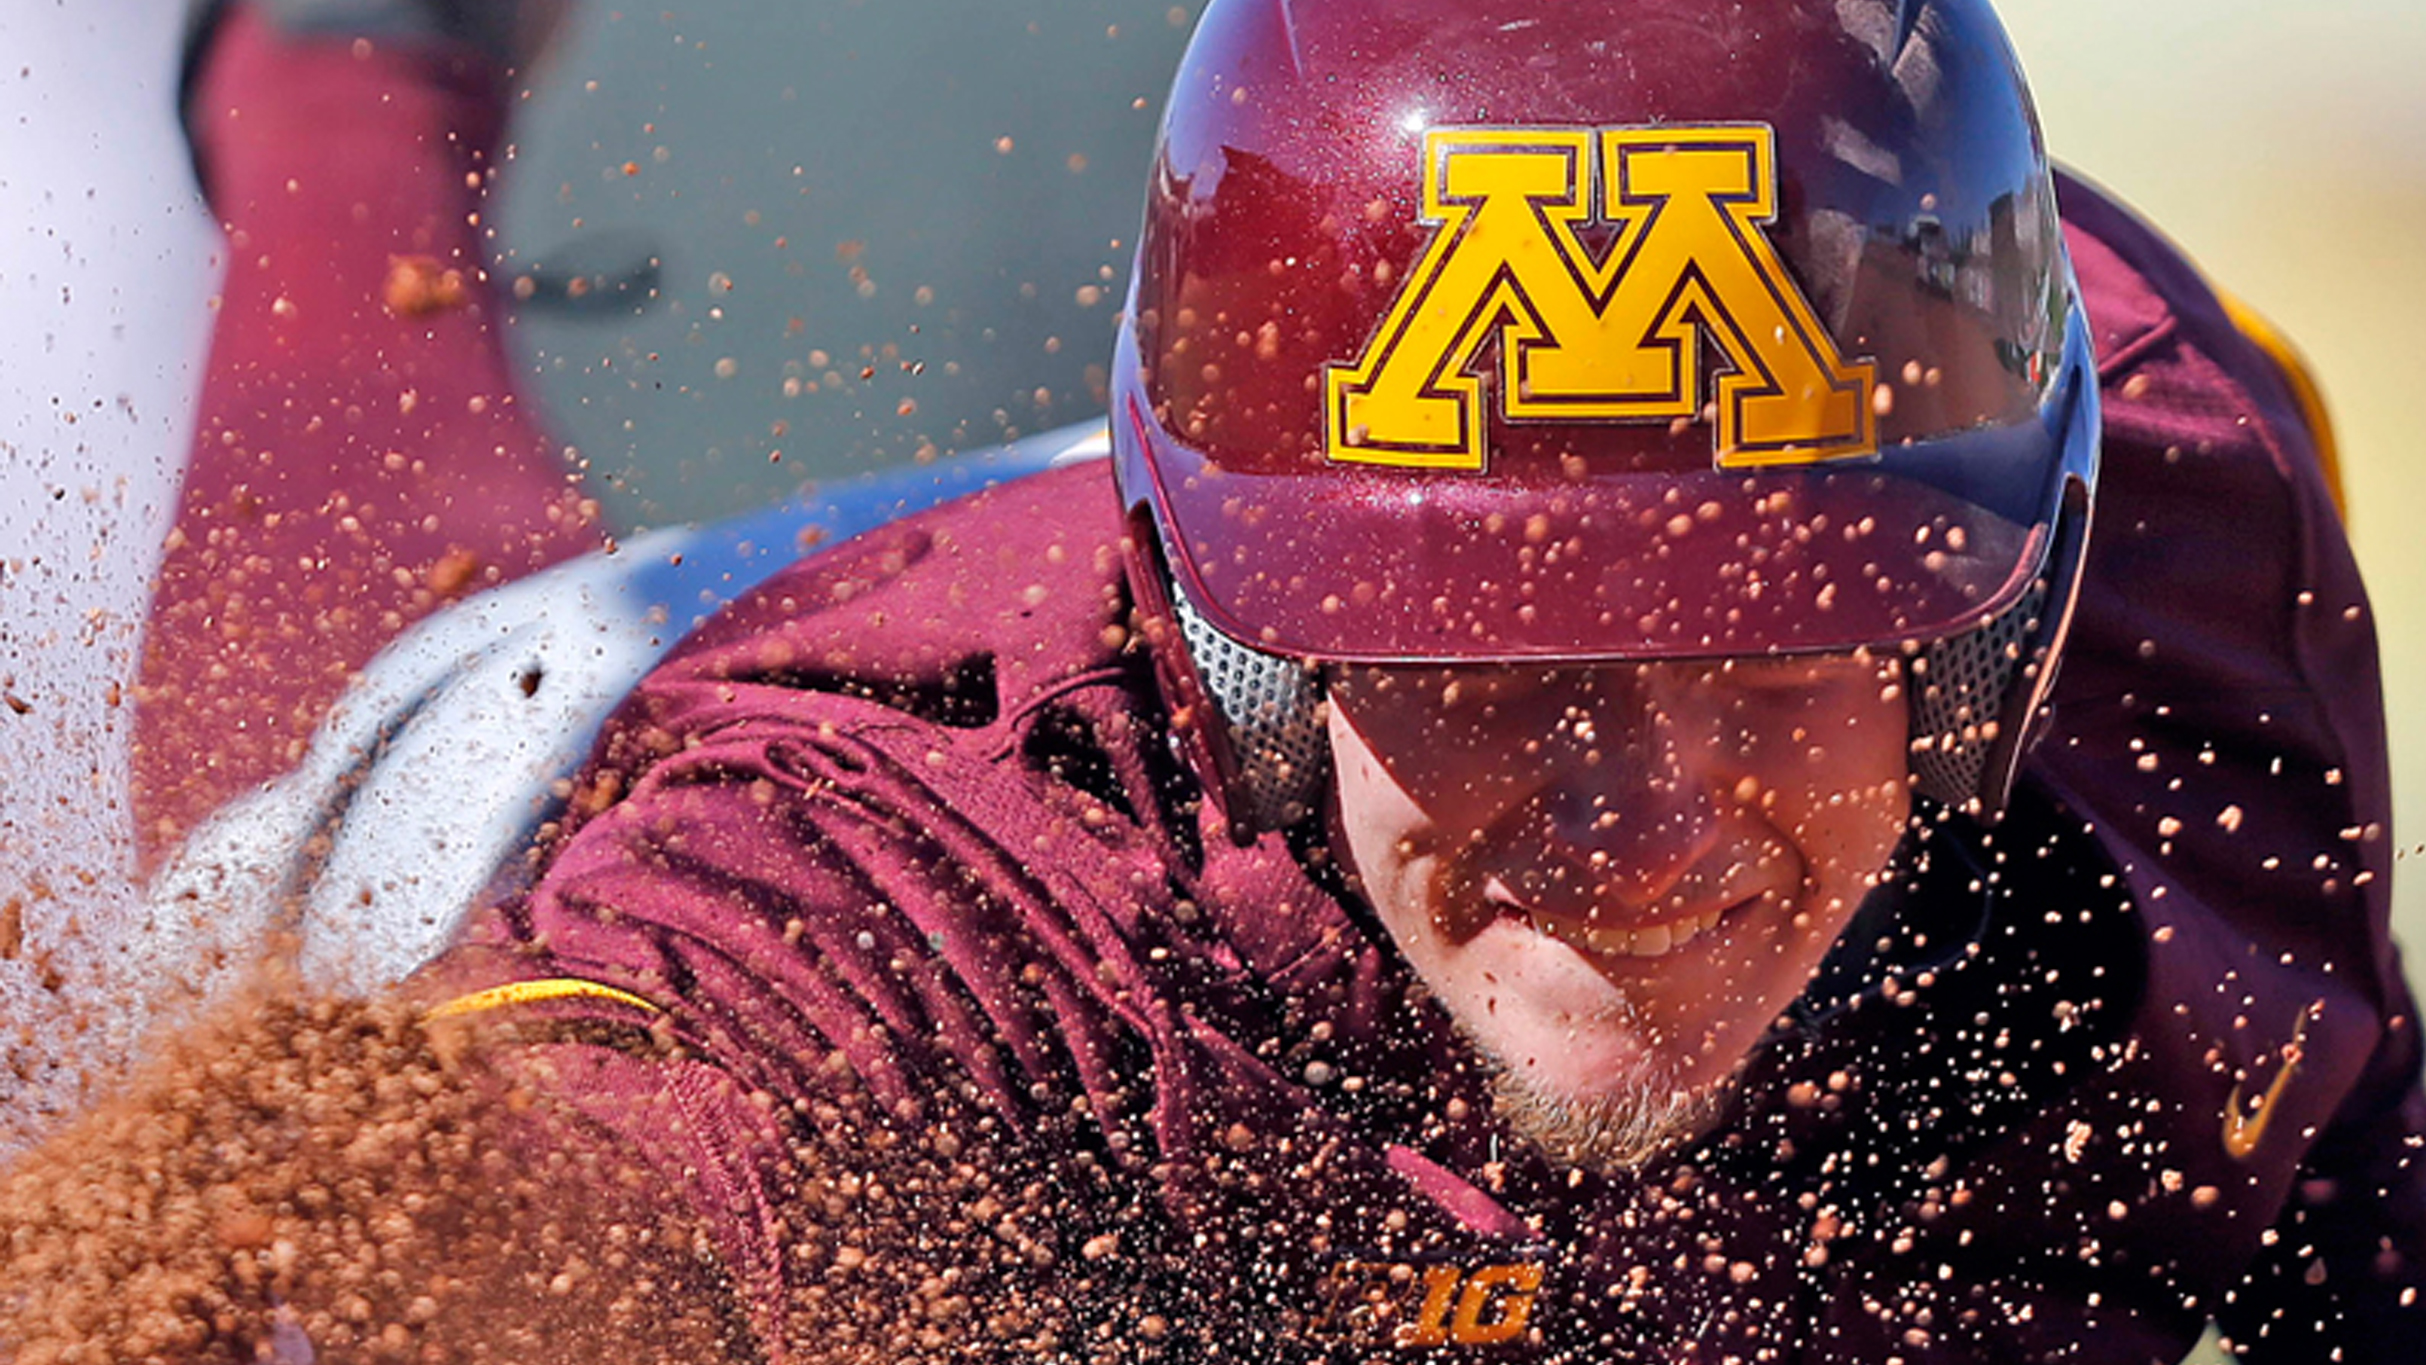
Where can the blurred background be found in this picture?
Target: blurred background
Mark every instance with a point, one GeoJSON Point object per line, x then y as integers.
{"type": "Point", "coordinates": [770, 242]}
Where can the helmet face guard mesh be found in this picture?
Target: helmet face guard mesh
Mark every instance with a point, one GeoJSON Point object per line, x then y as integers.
{"type": "Point", "coordinates": [1269, 717]}
{"type": "Point", "coordinates": [1958, 689]}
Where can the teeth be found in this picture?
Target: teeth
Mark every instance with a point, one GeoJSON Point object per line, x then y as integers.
{"type": "Point", "coordinates": [1656, 940]}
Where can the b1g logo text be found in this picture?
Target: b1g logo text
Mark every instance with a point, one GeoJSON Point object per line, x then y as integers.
{"type": "Point", "coordinates": [1616, 339]}
{"type": "Point", "coordinates": [1423, 1306]}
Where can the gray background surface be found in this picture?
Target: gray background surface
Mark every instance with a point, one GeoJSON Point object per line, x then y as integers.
{"type": "Point", "coordinates": [882, 231]}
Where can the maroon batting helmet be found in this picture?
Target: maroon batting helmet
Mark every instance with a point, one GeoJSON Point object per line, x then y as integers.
{"type": "Point", "coordinates": [1529, 330]}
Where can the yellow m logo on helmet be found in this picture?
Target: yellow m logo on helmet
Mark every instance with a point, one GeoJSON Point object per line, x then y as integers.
{"type": "Point", "coordinates": [1612, 340]}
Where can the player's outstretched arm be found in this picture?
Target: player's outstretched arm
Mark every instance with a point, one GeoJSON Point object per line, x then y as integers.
{"type": "Point", "coordinates": [300, 1179]}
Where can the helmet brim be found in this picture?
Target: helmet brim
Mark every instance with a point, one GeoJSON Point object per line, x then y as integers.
{"type": "Point", "coordinates": [1389, 566]}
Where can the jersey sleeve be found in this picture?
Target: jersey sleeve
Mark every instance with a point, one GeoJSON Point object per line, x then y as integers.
{"type": "Point", "coordinates": [2219, 728]}
{"type": "Point", "coordinates": [2341, 1271]}
{"type": "Point", "coordinates": [888, 971]}
{"type": "Point", "coordinates": [876, 1086]}
{"type": "Point", "coordinates": [2292, 365]}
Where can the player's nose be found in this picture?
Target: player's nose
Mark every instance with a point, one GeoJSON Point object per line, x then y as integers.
{"type": "Point", "coordinates": [1621, 812]}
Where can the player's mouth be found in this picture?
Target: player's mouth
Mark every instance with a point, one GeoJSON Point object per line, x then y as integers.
{"type": "Point", "coordinates": [1605, 941]}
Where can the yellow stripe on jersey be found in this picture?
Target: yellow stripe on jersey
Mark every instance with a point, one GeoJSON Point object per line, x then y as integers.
{"type": "Point", "coordinates": [2311, 398]}
{"type": "Point", "coordinates": [535, 992]}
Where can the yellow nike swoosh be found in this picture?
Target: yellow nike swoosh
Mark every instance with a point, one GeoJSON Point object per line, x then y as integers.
{"type": "Point", "coordinates": [2243, 1131]}
{"type": "Point", "coordinates": [533, 992]}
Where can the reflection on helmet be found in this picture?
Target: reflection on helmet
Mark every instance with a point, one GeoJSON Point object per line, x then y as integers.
{"type": "Point", "coordinates": [1521, 331]}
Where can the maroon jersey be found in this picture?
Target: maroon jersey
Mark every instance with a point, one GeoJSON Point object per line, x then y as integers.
{"type": "Point", "coordinates": [894, 854]}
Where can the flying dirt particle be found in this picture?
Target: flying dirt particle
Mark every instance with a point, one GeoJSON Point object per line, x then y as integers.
{"type": "Point", "coordinates": [418, 286]}
{"type": "Point", "coordinates": [453, 571]}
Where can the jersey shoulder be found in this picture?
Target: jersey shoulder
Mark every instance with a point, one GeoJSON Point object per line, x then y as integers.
{"type": "Point", "coordinates": [2172, 344]}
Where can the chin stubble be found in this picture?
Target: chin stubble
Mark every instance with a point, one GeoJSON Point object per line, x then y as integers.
{"type": "Point", "coordinates": [1609, 1134]}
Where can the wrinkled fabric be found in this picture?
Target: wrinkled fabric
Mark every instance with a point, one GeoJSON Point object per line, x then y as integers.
{"type": "Point", "coordinates": [899, 841]}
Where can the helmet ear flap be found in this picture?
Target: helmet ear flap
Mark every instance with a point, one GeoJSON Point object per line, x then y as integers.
{"type": "Point", "coordinates": [1268, 712]}
{"type": "Point", "coordinates": [1962, 690]}
{"type": "Point", "coordinates": [1978, 698]}
{"type": "Point", "coordinates": [1247, 722]}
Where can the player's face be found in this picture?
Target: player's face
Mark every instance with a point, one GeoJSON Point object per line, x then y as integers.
{"type": "Point", "coordinates": [1616, 877]}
